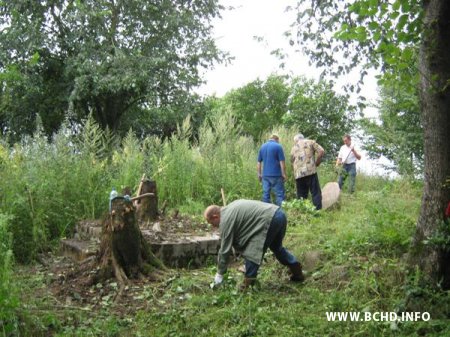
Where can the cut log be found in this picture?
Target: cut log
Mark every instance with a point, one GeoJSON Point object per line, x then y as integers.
{"type": "Point", "coordinates": [147, 201]}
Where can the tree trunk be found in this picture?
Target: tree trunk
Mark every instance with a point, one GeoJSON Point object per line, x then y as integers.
{"type": "Point", "coordinates": [147, 207]}
{"type": "Point", "coordinates": [432, 257]}
{"type": "Point", "coordinates": [123, 251]}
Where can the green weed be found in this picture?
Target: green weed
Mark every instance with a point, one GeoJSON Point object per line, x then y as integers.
{"type": "Point", "coordinates": [353, 255]}
{"type": "Point", "coordinates": [9, 301]}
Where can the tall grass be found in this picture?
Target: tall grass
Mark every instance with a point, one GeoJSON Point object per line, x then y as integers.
{"type": "Point", "coordinates": [229, 159]}
{"type": "Point", "coordinates": [47, 186]}
{"type": "Point", "coordinates": [8, 291]}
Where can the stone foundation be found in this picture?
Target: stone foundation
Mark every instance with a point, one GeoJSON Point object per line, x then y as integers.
{"type": "Point", "coordinates": [184, 251]}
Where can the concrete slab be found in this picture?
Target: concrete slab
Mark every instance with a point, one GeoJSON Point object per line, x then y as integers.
{"type": "Point", "coordinates": [180, 252]}
{"type": "Point", "coordinates": [79, 250]}
{"type": "Point", "coordinates": [88, 229]}
{"type": "Point", "coordinates": [188, 251]}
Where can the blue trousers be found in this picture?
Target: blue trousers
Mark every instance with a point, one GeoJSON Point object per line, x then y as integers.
{"type": "Point", "coordinates": [275, 184]}
{"type": "Point", "coordinates": [350, 170]}
{"type": "Point", "coordinates": [274, 241]}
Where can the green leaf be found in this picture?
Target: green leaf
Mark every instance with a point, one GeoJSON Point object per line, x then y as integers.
{"type": "Point", "coordinates": [407, 54]}
{"type": "Point", "coordinates": [396, 5]}
{"type": "Point", "coordinates": [402, 65]}
{"type": "Point", "coordinates": [394, 15]}
{"type": "Point", "coordinates": [402, 22]}
{"type": "Point", "coordinates": [373, 25]}
{"type": "Point", "coordinates": [377, 36]}
{"type": "Point", "coordinates": [406, 7]}
{"type": "Point", "coordinates": [34, 59]}
{"type": "Point", "coordinates": [361, 33]}
{"type": "Point", "coordinates": [355, 7]}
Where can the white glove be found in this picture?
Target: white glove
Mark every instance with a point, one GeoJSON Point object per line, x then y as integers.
{"type": "Point", "coordinates": [218, 279]}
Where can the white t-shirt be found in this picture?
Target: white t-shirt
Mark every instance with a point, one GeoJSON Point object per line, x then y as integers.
{"type": "Point", "coordinates": [346, 152]}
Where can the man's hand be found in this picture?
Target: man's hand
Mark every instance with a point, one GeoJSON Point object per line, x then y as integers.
{"type": "Point", "coordinates": [218, 279]}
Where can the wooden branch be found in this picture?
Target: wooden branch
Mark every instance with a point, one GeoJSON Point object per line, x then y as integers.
{"type": "Point", "coordinates": [143, 196]}
{"type": "Point", "coordinates": [138, 193]}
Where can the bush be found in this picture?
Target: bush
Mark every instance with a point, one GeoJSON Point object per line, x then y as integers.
{"type": "Point", "coordinates": [47, 186]}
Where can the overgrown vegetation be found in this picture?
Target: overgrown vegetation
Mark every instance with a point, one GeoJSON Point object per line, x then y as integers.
{"type": "Point", "coordinates": [354, 258]}
{"type": "Point", "coordinates": [48, 186]}
{"type": "Point", "coordinates": [9, 300]}
{"type": "Point", "coordinates": [353, 254]}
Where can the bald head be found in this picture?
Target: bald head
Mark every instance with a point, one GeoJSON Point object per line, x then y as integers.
{"type": "Point", "coordinates": [212, 215]}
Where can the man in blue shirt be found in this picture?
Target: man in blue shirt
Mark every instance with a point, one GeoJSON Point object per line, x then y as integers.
{"type": "Point", "coordinates": [271, 160]}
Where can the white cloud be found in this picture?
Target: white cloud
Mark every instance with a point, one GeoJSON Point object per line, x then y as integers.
{"type": "Point", "coordinates": [269, 20]}
{"type": "Point", "coordinates": [235, 34]}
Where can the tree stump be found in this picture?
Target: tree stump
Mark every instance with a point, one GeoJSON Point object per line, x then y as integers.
{"type": "Point", "coordinates": [147, 201]}
{"type": "Point", "coordinates": [124, 253]}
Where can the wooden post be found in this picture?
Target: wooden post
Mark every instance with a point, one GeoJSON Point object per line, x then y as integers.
{"type": "Point", "coordinates": [223, 197]}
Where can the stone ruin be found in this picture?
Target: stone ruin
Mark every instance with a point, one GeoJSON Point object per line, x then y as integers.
{"type": "Point", "coordinates": [179, 242]}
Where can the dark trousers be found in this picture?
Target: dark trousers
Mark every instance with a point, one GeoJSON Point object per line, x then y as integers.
{"type": "Point", "coordinates": [307, 184]}
{"type": "Point", "coordinates": [274, 241]}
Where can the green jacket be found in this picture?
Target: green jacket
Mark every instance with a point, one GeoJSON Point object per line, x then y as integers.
{"type": "Point", "coordinates": [243, 225]}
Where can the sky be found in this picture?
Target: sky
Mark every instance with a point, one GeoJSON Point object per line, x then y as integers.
{"type": "Point", "coordinates": [235, 33]}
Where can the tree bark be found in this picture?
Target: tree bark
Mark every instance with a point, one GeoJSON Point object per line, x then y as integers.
{"type": "Point", "coordinates": [124, 252]}
{"type": "Point", "coordinates": [431, 258]}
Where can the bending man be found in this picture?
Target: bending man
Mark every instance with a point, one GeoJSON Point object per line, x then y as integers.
{"type": "Point", "coordinates": [251, 227]}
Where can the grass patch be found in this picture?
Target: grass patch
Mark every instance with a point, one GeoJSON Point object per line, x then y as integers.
{"type": "Point", "coordinates": [355, 263]}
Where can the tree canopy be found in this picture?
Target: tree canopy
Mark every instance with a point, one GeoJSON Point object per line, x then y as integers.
{"type": "Point", "coordinates": [402, 38]}
{"type": "Point", "coordinates": [310, 107]}
{"type": "Point", "coordinates": [259, 105]}
{"type": "Point", "coordinates": [109, 58]}
{"type": "Point", "coordinates": [339, 35]}
{"type": "Point", "coordinates": [318, 112]}
{"type": "Point", "coordinates": [397, 133]}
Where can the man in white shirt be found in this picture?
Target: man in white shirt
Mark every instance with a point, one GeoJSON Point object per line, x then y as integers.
{"type": "Point", "coordinates": [347, 157]}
